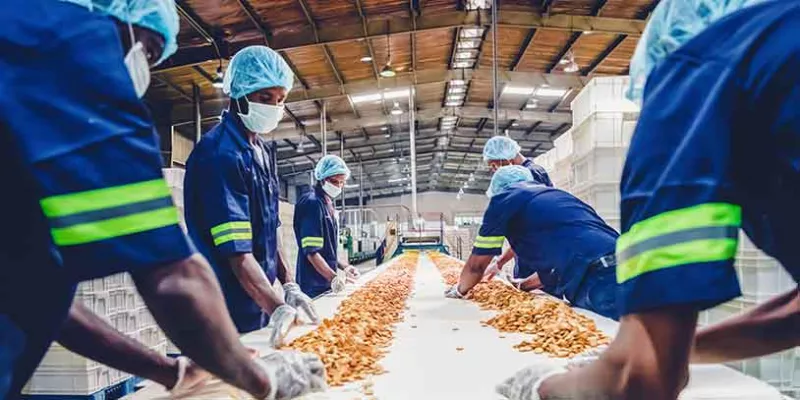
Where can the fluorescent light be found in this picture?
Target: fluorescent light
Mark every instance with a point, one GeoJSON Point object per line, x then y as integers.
{"type": "Point", "coordinates": [550, 92]}
{"type": "Point", "coordinates": [467, 44]}
{"type": "Point", "coordinates": [457, 82]}
{"type": "Point", "coordinates": [465, 54]}
{"type": "Point", "coordinates": [366, 59]}
{"type": "Point", "coordinates": [387, 95]}
{"type": "Point", "coordinates": [457, 97]}
{"type": "Point", "coordinates": [532, 104]}
{"type": "Point", "coordinates": [471, 32]}
{"type": "Point", "coordinates": [384, 128]}
{"type": "Point", "coordinates": [456, 90]}
{"type": "Point", "coordinates": [518, 90]}
{"type": "Point", "coordinates": [452, 103]}
{"type": "Point", "coordinates": [397, 180]}
{"type": "Point", "coordinates": [449, 118]}
{"type": "Point", "coordinates": [462, 64]}
{"type": "Point", "coordinates": [388, 135]}
{"type": "Point", "coordinates": [351, 186]}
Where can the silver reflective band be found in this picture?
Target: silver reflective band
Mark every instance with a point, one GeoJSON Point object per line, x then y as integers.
{"type": "Point", "coordinates": [689, 235]}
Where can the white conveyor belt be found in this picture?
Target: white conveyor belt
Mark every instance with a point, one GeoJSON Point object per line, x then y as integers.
{"type": "Point", "coordinates": [441, 352]}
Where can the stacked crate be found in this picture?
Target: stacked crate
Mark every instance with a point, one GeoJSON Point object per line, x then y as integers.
{"type": "Point", "coordinates": [113, 298]}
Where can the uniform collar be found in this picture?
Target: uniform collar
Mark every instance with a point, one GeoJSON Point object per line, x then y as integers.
{"type": "Point", "coordinates": [527, 162]}
{"type": "Point", "coordinates": [238, 131]}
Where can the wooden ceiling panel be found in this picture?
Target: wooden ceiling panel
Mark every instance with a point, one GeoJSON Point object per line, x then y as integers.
{"type": "Point", "coordinates": [339, 106]}
{"type": "Point", "coordinates": [624, 8]}
{"type": "Point", "coordinates": [574, 7]}
{"type": "Point", "coordinates": [479, 93]}
{"type": "Point", "coordinates": [281, 16]}
{"type": "Point", "coordinates": [433, 49]}
{"type": "Point", "coordinates": [434, 6]}
{"type": "Point", "coordinates": [400, 48]}
{"type": "Point", "coordinates": [543, 49]}
{"type": "Point", "coordinates": [430, 93]}
{"type": "Point", "coordinates": [589, 46]}
{"type": "Point", "coordinates": [331, 13]}
{"type": "Point", "coordinates": [347, 57]}
{"type": "Point", "coordinates": [385, 8]}
{"type": "Point", "coordinates": [313, 66]}
{"type": "Point", "coordinates": [618, 61]}
{"type": "Point", "coordinates": [509, 43]}
{"type": "Point", "coordinates": [303, 110]}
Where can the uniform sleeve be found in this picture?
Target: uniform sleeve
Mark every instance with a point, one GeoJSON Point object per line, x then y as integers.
{"type": "Point", "coordinates": [312, 239]}
{"type": "Point", "coordinates": [493, 230]}
{"type": "Point", "coordinates": [227, 209]}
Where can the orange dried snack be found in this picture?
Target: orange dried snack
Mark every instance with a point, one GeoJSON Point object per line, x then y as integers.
{"type": "Point", "coordinates": [556, 329]}
{"type": "Point", "coordinates": [352, 342]}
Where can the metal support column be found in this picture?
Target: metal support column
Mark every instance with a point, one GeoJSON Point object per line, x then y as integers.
{"type": "Point", "coordinates": [198, 117]}
{"type": "Point", "coordinates": [323, 126]}
{"type": "Point", "coordinates": [495, 95]}
{"type": "Point", "coordinates": [411, 136]}
{"type": "Point", "coordinates": [360, 200]}
{"type": "Point", "coordinates": [341, 154]}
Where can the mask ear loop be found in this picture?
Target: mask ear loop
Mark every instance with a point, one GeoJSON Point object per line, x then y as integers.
{"type": "Point", "coordinates": [130, 25]}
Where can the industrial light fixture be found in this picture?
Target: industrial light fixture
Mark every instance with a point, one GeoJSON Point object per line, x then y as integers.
{"type": "Point", "coordinates": [467, 44]}
{"type": "Point", "coordinates": [217, 83]}
{"type": "Point", "coordinates": [388, 71]}
{"type": "Point", "coordinates": [570, 64]}
{"type": "Point", "coordinates": [457, 82]}
{"type": "Point", "coordinates": [462, 64]}
{"type": "Point", "coordinates": [471, 32]}
{"type": "Point", "coordinates": [478, 4]}
{"type": "Point", "coordinates": [301, 144]}
{"type": "Point", "coordinates": [452, 103]}
{"type": "Point", "coordinates": [466, 185]}
{"type": "Point", "coordinates": [388, 135]}
{"type": "Point", "coordinates": [384, 128]}
{"type": "Point", "coordinates": [471, 177]}
{"type": "Point", "coordinates": [366, 59]}
{"type": "Point", "coordinates": [533, 104]}
{"type": "Point", "coordinates": [396, 110]}
{"type": "Point", "coordinates": [385, 95]}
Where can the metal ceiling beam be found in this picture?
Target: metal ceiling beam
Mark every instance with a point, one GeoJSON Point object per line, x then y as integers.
{"type": "Point", "coordinates": [367, 41]}
{"type": "Point", "coordinates": [176, 88]}
{"type": "Point", "coordinates": [325, 49]}
{"type": "Point", "coordinates": [428, 22]}
{"type": "Point", "coordinates": [596, 10]}
{"type": "Point", "coordinates": [523, 49]}
{"type": "Point", "coordinates": [203, 73]}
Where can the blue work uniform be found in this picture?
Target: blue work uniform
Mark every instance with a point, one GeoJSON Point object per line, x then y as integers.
{"type": "Point", "coordinates": [231, 207]}
{"type": "Point", "coordinates": [715, 150]}
{"type": "Point", "coordinates": [539, 173]}
{"type": "Point", "coordinates": [316, 231]}
{"type": "Point", "coordinates": [80, 160]}
{"type": "Point", "coordinates": [557, 235]}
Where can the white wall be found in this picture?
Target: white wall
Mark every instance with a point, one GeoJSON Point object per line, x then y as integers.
{"type": "Point", "coordinates": [430, 204]}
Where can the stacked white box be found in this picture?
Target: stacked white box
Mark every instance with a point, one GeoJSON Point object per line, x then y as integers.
{"type": "Point", "coordinates": [113, 298]}
{"type": "Point", "coordinates": [760, 276]}
{"type": "Point", "coordinates": [602, 94]}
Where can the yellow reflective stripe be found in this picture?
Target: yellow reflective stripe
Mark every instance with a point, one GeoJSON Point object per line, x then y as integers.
{"type": "Point", "coordinates": [489, 242]}
{"type": "Point", "coordinates": [312, 241]}
{"type": "Point", "coordinates": [698, 251]}
{"type": "Point", "coordinates": [98, 199]}
{"type": "Point", "coordinates": [219, 240]}
{"type": "Point", "coordinates": [230, 225]}
{"type": "Point", "coordinates": [114, 227]}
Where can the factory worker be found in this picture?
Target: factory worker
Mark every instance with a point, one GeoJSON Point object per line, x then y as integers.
{"type": "Point", "coordinates": [708, 74]}
{"type": "Point", "coordinates": [89, 198]}
{"type": "Point", "coordinates": [554, 232]}
{"type": "Point", "coordinates": [316, 230]}
{"type": "Point", "coordinates": [497, 152]}
{"type": "Point", "coordinates": [231, 191]}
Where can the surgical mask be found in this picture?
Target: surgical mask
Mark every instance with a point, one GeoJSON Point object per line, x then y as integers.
{"type": "Point", "coordinates": [331, 189]}
{"type": "Point", "coordinates": [137, 65]}
{"type": "Point", "coordinates": [489, 193]}
{"type": "Point", "coordinates": [261, 118]}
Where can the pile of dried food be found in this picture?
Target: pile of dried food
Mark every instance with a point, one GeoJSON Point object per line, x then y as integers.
{"type": "Point", "coordinates": [556, 329]}
{"type": "Point", "coordinates": [353, 341]}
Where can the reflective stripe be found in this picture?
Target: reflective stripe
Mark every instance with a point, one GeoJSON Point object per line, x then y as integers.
{"type": "Point", "coordinates": [312, 241]}
{"type": "Point", "coordinates": [703, 233]}
{"type": "Point", "coordinates": [222, 239]}
{"type": "Point", "coordinates": [92, 200]}
{"type": "Point", "coordinates": [108, 213]}
{"type": "Point", "coordinates": [489, 242]}
{"type": "Point", "coordinates": [233, 225]}
{"type": "Point", "coordinates": [115, 227]}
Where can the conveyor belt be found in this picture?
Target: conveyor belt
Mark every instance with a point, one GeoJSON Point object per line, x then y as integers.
{"type": "Point", "coordinates": [425, 361]}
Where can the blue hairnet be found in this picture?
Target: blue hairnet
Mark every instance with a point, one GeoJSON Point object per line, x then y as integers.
{"type": "Point", "coordinates": [329, 166]}
{"type": "Point", "coordinates": [500, 148]}
{"type": "Point", "coordinates": [507, 176]}
{"type": "Point", "coordinates": [159, 16]}
{"type": "Point", "coordinates": [254, 68]}
{"type": "Point", "coordinates": [672, 24]}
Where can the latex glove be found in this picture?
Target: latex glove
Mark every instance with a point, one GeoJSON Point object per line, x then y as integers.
{"type": "Point", "coordinates": [492, 270]}
{"type": "Point", "coordinates": [524, 385]}
{"type": "Point", "coordinates": [292, 373]}
{"type": "Point", "coordinates": [453, 293]}
{"type": "Point", "coordinates": [300, 301]}
{"type": "Point", "coordinates": [352, 273]}
{"type": "Point", "coordinates": [192, 377]}
{"type": "Point", "coordinates": [280, 321]}
{"type": "Point", "coordinates": [338, 283]}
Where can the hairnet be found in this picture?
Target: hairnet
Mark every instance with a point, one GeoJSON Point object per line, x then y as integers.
{"type": "Point", "coordinates": [329, 166]}
{"type": "Point", "coordinates": [672, 24]}
{"type": "Point", "coordinates": [507, 176]}
{"type": "Point", "coordinates": [500, 148]}
{"type": "Point", "coordinates": [254, 68]}
{"type": "Point", "coordinates": [159, 16]}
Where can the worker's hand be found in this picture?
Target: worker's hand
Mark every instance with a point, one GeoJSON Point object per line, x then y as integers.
{"type": "Point", "coordinates": [587, 357]}
{"type": "Point", "coordinates": [352, 273]}
{"type": "Point", "coordinates": [453, 293]}
{"type": "Point", "coordinates": [338, 283]}
{"type": "Point", "coordinates": [524, 385]}
{"type": "Point", "coordinates": [292, 373]}
{"type": "Point", "coordinates": [280, 321]}
{"type": "Point", "coordinates": [191, 377]}
{"type": "Point", "coordinates": [300, 301]}
{"type": "Point", "coordinates": [492, 270]}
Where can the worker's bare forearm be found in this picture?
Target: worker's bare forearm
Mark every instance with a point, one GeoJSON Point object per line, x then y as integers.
{"type": "Point", "coordinates": [321, 266]}
{"type": "Point", "coordinates": [768, 328]}
{"type": "Point", "coordinates": [285, 273]}
{"type": "Point", "coordinates": [472, 273]}
{"type": "Point", "coordinates": [531, 283]}
{"type": "Point", "coordinates": [506, 257]}
{"type": "Point", "coordinates": [186, 301]}
{"type": "Point", "coordinates": [254, 282]}
{"type": "Point", "coordinates": [648, 359]}
{"type": "Point", "coordinates": [87, 334]}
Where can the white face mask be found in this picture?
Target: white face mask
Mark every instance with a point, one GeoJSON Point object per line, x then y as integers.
{"type": "Point", "coordinates": [489, 193]}
{"type": "Point", "coordinates": [331, 189]}
{"type": "Point", "coordinates": [261, 118]}
{"type": "Point", "coordinates": [137, 65]}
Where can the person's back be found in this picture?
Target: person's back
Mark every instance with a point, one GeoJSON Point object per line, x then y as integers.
{"type": "Point", "coordinates": [313, 216]}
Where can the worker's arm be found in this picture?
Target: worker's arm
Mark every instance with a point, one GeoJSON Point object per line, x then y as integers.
{"type": "Point", "coordinates": [472, 273]}
{"type": "Point", "coordinates": [488, 244]}
{"type": "Point", "coordinates": [647, 360]}
{"type": "Point", "coordinates": [321, 266]}
{"type": "Point", "coordinates": [186, 301]}
{"type": "Point", "coordinates": [505, 257]}
{"type": "Point", "coordinates": [528, 284]}
{"type": "Point", "coordinates": [285, 273]}
{"type": "Point", "coordinates": [768, 328]}
{"type": "Point", "coordinates": [254, 281]}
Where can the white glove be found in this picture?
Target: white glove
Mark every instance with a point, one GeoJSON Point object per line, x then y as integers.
{"type": "Point", "coordinates": [492, 270]}
{"type": "Point", "coordinates": [524, 385]}
{"type": "Point", "coordinates": [280, 321]}
{"type": "Point", "coordinates": [352, 273]}
{"type": "Point", "coordinates": [338, 283]}
{"type": "Point", "coordinates": [292, 374]}
{"type": "Point", "coordinates": [300, 301]}
{"type": "Point", "coordinates": [453, 293]}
